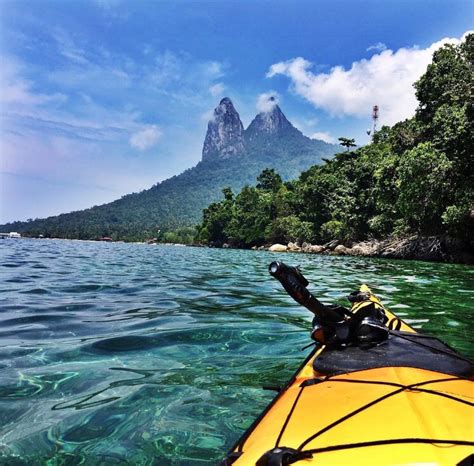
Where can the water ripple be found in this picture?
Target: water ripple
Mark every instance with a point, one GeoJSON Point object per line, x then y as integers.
{"type": "Point", "coordinates": [137, 354]}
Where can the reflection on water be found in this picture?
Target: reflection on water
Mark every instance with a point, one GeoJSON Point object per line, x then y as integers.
{"type": "Point", "coordinates": [138, 354]}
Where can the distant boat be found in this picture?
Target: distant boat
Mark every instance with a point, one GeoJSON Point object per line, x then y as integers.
{"type": "Point", "coordinates": [12, 234]}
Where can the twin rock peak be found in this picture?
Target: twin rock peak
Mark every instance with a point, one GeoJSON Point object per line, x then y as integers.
{"type": "Point", "coordinates": [226, 137]}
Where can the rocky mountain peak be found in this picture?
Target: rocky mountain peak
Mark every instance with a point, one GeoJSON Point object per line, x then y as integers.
{"type": "Point", "coordinates": [225, 101]}
{"type": "Point", "coordinates": [225, 133]}
{"type": "Point", "coordinates": [271, 122]}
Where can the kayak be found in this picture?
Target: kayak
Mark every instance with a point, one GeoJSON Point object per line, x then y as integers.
{"type": "Point", "coordinates": [405, 401]}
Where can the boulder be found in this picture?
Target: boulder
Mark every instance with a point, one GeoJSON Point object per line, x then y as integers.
{"type": "Point", "coordinates": [340, 250]}
{"type": "Point", "coordinates": [332, 244]}
{"type": "Point", "coordinates": [316, 249]}
{"type": "Point", "coordinates": [277, 248]}
{"type": "Point", "coordinates": [356, 251]}
{"type": "Point", "coordinates": [293, 247]}
{"type": "Point", "coordinates": [365, 248]}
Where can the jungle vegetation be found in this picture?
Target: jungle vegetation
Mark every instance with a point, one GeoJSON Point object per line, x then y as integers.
{"type": "Point", "coordinates": [416, 177]}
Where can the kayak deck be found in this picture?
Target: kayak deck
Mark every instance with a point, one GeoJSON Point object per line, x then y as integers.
{"type": "Point", "coordinates": [384, 415]}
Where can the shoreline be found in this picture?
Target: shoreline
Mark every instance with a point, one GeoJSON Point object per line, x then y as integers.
{"type": "Point", "coordinates": [424, 248]}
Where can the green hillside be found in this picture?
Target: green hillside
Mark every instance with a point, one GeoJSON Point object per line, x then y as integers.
{"type": "Point", "coordinates": [179, 201]}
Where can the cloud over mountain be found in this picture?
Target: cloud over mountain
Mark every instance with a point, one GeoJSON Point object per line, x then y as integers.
{"type": "Point", "coordinates": [267, 101]}
{"type": "Point", "coordinates": [324, 136]}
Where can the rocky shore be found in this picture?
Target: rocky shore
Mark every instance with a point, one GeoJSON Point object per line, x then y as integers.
{"type": "Point", "coordinates": [428, 248]}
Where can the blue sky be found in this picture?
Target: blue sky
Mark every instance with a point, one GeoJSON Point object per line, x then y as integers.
{"type": "Point", "coordinates": [103, 98]}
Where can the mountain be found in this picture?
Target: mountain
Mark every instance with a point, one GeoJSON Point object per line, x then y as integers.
{"type": "Point", "coordinates": [231, 156]}
{"type": "Point", "coordinates": [225, 133]}
{"type": "Point", "coordinates": [270, 123]}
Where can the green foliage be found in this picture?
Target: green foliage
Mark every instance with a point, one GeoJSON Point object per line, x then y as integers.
{"type": "Point", "coordinates": [416, 177]}
{"type": "Point", "coordinates": [424, 183]}
{"type": "Point", "coordinates": [269, 180]}
{"type": "Point", "coordinates": [290, 228]}
{"type": "Point", "coordinates": [334, 229]}
{"type": "Point", "coordinates": [447, 81]}
{"type": "Point", "coordinates": [184, 235]}
{"type": "Point", "coordinates": [216, 219]}
{"type": "Point", "coordinates": [347, 142]}
{"type": "Point", "coordinates": [252, 213]}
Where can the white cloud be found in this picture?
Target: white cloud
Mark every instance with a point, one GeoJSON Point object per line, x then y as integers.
{"type": "Point", "coordinates": [146, 137]}
{"type": "Point", "coordinates": [386, 79]}
{"type": "Point", "coordinates": [208, 116]}
{"type": "Point", "coordinates": [378, 47]}
{"type": "Point", "coordinates": [266, 101]}
{"type": "Point", "coordinates": [217, 89]}
{"type": "Point", "coordinates": [324, 136]}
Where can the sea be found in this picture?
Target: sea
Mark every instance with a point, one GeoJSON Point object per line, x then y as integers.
{"type": "Point", "coordinates": [114, 353]}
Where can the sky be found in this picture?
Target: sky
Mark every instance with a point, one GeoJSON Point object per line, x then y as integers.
{"type": "Point", "coordinates": [101, 98]}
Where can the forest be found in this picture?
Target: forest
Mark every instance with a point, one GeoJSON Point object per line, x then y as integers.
{"type": "Point", "coordinates": [416, 177]}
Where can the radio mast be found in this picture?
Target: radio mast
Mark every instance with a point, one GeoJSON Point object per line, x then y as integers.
{"type": "Point", "coordinates": [375, 117]}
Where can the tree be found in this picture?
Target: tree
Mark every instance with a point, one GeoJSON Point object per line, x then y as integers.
{"type": "Point", "coordinates": [216, 219]}
{"type": "Point", "coordinates": [290, 228]}
{"type": "Point", "coordinates": [448, 79]}
{"type": "Point", "coordinates": [252, 214]}
{"type": "Point", "coordinates": [269, 180]}
{"type": "Point", "coordinates": [424, 182]}
{"type": "Point", "coordinates": [347, 143]}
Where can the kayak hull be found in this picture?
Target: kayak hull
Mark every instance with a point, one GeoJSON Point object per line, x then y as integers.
{"type": "Point", "coordinates": [384, 415]}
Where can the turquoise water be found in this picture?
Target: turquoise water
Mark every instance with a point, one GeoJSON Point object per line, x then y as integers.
{"type": "Point", "coordinates": [140, 354]}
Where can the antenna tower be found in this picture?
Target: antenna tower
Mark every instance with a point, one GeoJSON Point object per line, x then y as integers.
{"type": "Point", "coordinates": [375, 117]}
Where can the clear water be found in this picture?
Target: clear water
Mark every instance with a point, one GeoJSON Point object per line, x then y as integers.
{"type": "Point", "coordinates": [139, 354]}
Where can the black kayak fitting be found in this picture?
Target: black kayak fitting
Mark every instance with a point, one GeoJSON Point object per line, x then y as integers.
{"type": "Point", "coordinates": [333, 325]}
{"type": "Point", "coordinates": [295, 285]}
{"type": "Point", "coordinates": [282, 456]}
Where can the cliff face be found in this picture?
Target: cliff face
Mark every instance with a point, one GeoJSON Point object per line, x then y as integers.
{"type": "Point", "coordinates": [225, 133]}
{"type": "Point", "coordinates": [271, 123]}
{"type": "Point", "coordinates": [270, 135]}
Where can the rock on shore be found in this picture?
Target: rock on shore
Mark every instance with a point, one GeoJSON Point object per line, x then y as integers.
{"type": "Point", "coordinates": [429, 248]}
{"type": "Point", "coordinates": [278, 248]}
